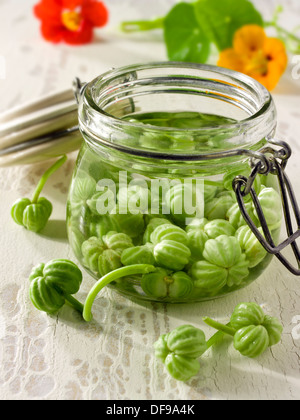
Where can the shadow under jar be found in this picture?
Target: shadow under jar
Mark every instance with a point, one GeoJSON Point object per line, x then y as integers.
{"type": "Point", "coordinates": [153, 182]}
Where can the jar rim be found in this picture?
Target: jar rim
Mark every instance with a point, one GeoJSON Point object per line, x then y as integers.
{"type": "Point", "coordinates": [263, 115]}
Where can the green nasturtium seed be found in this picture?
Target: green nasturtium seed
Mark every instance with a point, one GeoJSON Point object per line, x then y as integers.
{"type": "Point", "coordinates": [246, 314]}
{"type": "Point", "coordinates": [52, 284]}
{"type": "Point", "coordinates": [218, 207]}
{"type": "Point", "coordinates": [179, 351]}
{"type": "Point", "coordinates": [152, 225]}
{"type": "Point", "coordinates": [137, 255]}
{"type": "Point", "coordinates": [169, 232]}
{"type": "Point", "coordinates": [186, 202]}
{"type": "Point", "coordinates": [208, 277]}
{"type": "Point", "coordinates": [182, 368]}
{"type": "Point", "coordinates": [219, 227]}
{"type": "Point", "coordinates": [104, 256]}
{"type": "Point", "coordinates": [252, 331]}
{"type": "Point", "coordinates": [250, 245]}
{"type": "Point", "coordinates": [132, 225]}
{"type": "Point", "coordinates": [117, 241]}
{"type": "Point", "coordinates": [271, 204]}
{"type": "Point", "coordinates": [223, 251]}
{"type": "Point", "coordinates": [163, 284]}
{"type": "Point", "coordinates": [235, 218]}
{"type": "Point", "coordinates": [196, 242]}
{"type": "Point", "coordinates": [33, 216]}
{"type": "Point", "coordinates": [172, 255]}
{"type": "Point", "coordinates": [188, 341]}
{"type": "Point", "coordinates": [251, 341]}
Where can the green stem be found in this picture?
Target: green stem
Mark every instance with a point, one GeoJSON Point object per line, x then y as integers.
{"type": "Point", "coordinates": [142, 25]}
{"type": "Point", "coordinates": [46, 176]}
{"type": "Point", "coordinates": [108, 278]}
{"type": "Point", "coordinates": [74, 302]}
{"type": "Point", "coordinates": [281, 31]}
{"type": "Point", "coordinates": [226, 329]}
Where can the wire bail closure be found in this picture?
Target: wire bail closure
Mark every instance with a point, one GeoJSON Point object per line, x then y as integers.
{"type": "Point", "coordinates": [272, 161]}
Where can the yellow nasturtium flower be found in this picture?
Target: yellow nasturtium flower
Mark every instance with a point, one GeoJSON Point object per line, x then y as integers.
{"type": "Point", "coordinates": [253, 53]}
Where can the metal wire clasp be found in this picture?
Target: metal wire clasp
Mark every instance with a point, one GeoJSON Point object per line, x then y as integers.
{"type": "Point", "coordinates": [277, 161]}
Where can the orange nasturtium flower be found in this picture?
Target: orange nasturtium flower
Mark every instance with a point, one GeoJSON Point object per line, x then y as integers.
{"type": "Point", "coordinates": [253, 53]}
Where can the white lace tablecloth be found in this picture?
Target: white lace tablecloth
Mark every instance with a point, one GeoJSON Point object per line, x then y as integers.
{"type": "Point", "coordinates": [61, 357]}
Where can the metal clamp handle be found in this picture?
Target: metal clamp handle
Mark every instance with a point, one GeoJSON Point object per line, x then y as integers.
{"type": "Point", "coordinates": [243, 186]}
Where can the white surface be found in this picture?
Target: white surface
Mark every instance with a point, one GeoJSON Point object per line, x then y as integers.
{"type": "Point", "coordinates": [60, 357]}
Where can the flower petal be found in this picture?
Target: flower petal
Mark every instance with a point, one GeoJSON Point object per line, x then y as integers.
{"type": "Point", "coordinates": [48, 10]}
{"type": "Point", "coordinates": [275, 51]}
{"type": "Point", "coordinates": [249, 39]}
{"type": "Point", "coordinates": [83, 36]}
{"type": "Point", "coordinates": [230, 59]}
{"type": "Point", "coordinates": [52, 33]}
{"type": "Point", "coordinates": [95, 12]}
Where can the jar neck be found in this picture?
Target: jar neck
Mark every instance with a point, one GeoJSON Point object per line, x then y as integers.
{"type": "Point", "coordinates": [176, 87]}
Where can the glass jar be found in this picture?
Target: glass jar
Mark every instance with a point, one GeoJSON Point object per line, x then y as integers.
{"type": "Point", "coordinates": [153, 182]}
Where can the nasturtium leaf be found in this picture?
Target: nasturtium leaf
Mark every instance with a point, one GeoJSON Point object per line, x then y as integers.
{"type": "Point", "coordinates": [185, 40]}
{"type": "Point", "coordinates": [221, 19]}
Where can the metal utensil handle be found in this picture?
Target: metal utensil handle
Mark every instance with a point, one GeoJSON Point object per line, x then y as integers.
{"type": "Point", "coordinates": [243, 186]}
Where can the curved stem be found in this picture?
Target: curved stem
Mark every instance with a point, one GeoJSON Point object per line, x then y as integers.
{"type": "Point", "coordinates": [46, 176]}
{"type": "Point", "coordinates": [226, 329]}
{"type": "Point", "coordinates": [74, 302]}
{"type": "Point", "coordinates": [142, 25]}
{"type": "Point", "coordinates": [108, 278]}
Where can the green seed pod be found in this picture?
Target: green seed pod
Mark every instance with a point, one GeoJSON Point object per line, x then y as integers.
{"type": "Point", "coordinates": [274, 329]}
{"type": "Point", "coordinates": [208, 277]}
{"type": "Point", "coordinates": [181, 199]}
{"type": "Point", "coordinates": [161, 348]}
{"type": "Point", "coordinates": [132, 225]}
{"type": "Point", "coordinates": [250, 245]}
{"type": "Point", "coordinates": [181, 368]}
{"type": "Point", "coordinates": [44, 297]}
{"type": "Point", "coordinates": [81, 190]}
{"type": "Point", "coordinates": [137, 255]}
{"type": "Point", "coordinates": [218, 207]}
{"type": "Point", "coordinates": [238, 272]}
{"type": "Point", "coordinates": [251, 341]}
{"type": "Point", "coordinates": [172, 255]}
{"type": "Point", "coordinates": [152, 225]}
{"type": "Point", "coordinates": [169, 232]}
{"type": "Point", "coordinates": [102, 201]}
{"type": "Point", "coordinates": [235, 218]}
{"type": "Point", "coordinates": [271, 204]}
{"type": "Point", "coordinates": [117, 241]}
{"type": "Point", "coordinates": [63, 274]}
{"type": "Point", "coordinates": [196, 242]}
{"type": "Point", "coordinates": [219, 227]}
{"type": "Point", "coordinates": [18, 209]}
{"type": "Point", "coordinates": [246, 314]}
{"type": "Point", "coordinates": [33, 216]}
{"type": "Point", "coordinates": [91, 250]}
{"type": "Point", "coordinates": [52, 282]}
{"type": "Point", "coordinates": [108, 261]}
{"type": "Point", "coordinates": [223, 251]}
{"type": "Point", "coordinates": [102, 226]}
{"type": "Point", "coordinates": [187, 341]}
{"type": "Point", "coordinates": [162, 284]}
{"type": "Point", "coordinates": [196, 224]}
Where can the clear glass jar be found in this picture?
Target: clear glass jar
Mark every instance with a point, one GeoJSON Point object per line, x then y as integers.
{"type": "Point", "coordinates": [153, 180]}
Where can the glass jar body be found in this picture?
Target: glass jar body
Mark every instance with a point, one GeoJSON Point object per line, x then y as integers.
{"type": "Point", "coordinates": [153, 181]}
{"type": "Point", "coordinates": [216, 250]}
